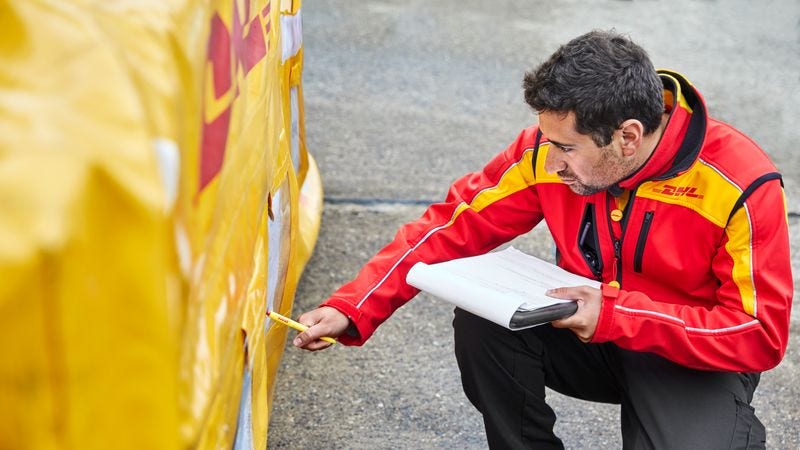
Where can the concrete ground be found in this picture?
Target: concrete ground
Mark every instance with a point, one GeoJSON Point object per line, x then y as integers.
{"type": "Point", "coordinates": [402, 97]}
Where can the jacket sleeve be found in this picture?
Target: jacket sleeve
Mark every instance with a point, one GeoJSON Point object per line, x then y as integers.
{"type": "Point", "coordinates": [747, 329]}
{"type": "Point", "coordinates": [481, 211]}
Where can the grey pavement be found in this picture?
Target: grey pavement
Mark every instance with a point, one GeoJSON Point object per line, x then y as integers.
{"type": "Point", "coordinates": [403, 97]}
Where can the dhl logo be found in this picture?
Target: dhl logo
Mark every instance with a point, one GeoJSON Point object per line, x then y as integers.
{"type": "Point", "coordinates": [679, 191]}
{"type": "Point", "coordinates": [233, 51]}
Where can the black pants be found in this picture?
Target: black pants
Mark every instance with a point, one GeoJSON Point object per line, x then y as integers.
{"type": "Point", "coordinates": [663, 405]}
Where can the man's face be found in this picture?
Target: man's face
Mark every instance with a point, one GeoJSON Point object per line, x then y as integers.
{"type": "Point", "coordinates": [578, 161]}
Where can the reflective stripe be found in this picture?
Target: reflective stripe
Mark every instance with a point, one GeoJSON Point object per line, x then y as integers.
{"type": "Point", "coordinates": [461, 207]}
{"type": "Point", "coordinates": [508, 184]}
{"type": "Point", "coordinates": [651, 313]}
{"type": "Point", "coordinates": [723, 330]}
{"type": "Point", "coordinates": [679, 321]}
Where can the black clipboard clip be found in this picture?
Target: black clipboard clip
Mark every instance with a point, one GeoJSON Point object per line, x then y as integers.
{"type": "Point", "coordinates": [526, 318]}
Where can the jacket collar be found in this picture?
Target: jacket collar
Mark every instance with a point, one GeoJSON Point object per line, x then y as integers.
{"type": "Point", "coordinates": [682, 138]}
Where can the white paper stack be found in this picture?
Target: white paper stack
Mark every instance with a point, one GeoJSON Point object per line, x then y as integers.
{"type": "Point", "coordinates": [495, 285]}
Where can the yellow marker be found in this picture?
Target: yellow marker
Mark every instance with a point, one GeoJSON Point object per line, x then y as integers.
{"type": "Point", "coordinates": [296, 325]}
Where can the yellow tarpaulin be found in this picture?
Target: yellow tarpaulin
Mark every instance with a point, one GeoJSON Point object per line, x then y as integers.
{"type": "Point", "coordinates": [156, 197]}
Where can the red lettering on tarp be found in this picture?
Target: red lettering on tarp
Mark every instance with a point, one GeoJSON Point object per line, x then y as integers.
{"type": "Point", "coordinates": [254, 48]}
{"type": "Point", "coordinates": [228, 52]}
{"type": "Point", "coordinates": [219, 54]}
{"type": "Point", "coordinates": [215, 135]}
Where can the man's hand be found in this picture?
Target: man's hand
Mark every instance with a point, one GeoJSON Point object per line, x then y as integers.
{"type": "Point", "coordinates": [323, 321]}
{"type": "Point", "coordinates": [584, 321]}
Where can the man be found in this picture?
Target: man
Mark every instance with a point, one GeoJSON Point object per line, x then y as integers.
{"type": "Point", "coordinates": [680, 216]}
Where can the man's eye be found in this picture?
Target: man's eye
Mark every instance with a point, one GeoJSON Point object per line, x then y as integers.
{"type": "Point", "coordinates": [564, 149]}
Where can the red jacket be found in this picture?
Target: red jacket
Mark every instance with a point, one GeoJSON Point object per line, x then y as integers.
{"type": "Point", "coordinates": [701, 254]}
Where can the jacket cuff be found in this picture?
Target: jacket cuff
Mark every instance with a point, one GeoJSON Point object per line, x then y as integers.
{"type": "Point", "coordinates": [605, 322]}
{"type": "Point", "coordinates": [355, 334]}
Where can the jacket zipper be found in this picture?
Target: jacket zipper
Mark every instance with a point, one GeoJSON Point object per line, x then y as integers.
{"type": "Point", "coordinates": [618, 241]}
{"type": "Point", "coordinates": [643, 232]}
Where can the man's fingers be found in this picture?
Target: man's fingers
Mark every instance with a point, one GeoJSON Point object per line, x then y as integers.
{"type": "Point", "coordinates": [312, 334]}
{"type": "Point", "coordinates": [302, 339]}
{"type": "Point", "coordinates": [568, 322]}
{"type": "Point", "coordinates": [310, 318]}
{"type": "Point", "coordinates": [309, 340]}
{"type": "Point", "coordinates": [321, 322]}
{"type": "Point", "coordinates": [568, 293]}
{"type": "Point", "coordinates": [565, 293]}
{"type": "Point", "coordinates": [584, 322]}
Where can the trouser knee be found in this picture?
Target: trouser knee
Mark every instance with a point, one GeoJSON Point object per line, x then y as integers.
{"type": "Point", "coordinates": [502, 376]}
{"type": "Point", "coordinates": [473, 339]}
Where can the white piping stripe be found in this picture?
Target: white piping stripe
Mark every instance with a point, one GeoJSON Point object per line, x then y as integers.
{"type": "Point", "coordinates": [752, 277]}
{"type": "Point", "coordinates": [683, 323]}
{"type": "Point", "coordinates": [722, 330]}
{"type": "Point", "coordinates": [652, 313]}
{"type": "Point", "coordinates": [452, 218]}
{"type": "Point", "coordinates": [720, 174]}
{"type": "Point", "coordinates": [445, 225]}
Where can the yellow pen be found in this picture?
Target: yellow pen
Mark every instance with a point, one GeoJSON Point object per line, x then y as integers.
{"type": "Point", "coordinates": [296, 325]}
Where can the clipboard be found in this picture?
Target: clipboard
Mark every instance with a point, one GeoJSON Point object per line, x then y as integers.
{"type": "Point", "coordinates": [506, 287]}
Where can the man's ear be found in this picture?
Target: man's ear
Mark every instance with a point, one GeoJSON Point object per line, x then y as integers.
{"type": "Point", "coordinates": [632, 132]}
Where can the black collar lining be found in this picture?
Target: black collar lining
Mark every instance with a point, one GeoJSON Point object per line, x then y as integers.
{"type": "Point", "coordinates": [695, 134]}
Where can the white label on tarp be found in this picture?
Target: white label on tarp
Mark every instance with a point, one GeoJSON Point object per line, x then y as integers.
{"type": "Point", "coordinates": [291, 35]}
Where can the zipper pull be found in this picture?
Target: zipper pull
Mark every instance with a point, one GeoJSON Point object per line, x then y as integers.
{"type": "Point", "coordinates": [615, 268]}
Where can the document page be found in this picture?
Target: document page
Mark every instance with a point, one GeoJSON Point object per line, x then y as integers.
{"type": "Point", "coordinates": [496, 284]}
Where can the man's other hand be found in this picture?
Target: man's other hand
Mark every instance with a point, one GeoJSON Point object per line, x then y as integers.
{"type": "Point", "coordinates": [323, 321]}
{"type": "Point", "coordinates": [584, 321]}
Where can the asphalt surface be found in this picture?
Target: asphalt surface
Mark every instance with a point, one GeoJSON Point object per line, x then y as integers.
{"type": "Point", "coordinates": [403, 97]}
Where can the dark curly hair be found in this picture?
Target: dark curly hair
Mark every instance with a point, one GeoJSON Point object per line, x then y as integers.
{"type": "Point", "coordinates": [604, 78]}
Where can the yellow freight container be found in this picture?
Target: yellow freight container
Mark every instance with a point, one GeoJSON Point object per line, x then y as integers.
{"type": "Point", "coordinates": [156, 198]}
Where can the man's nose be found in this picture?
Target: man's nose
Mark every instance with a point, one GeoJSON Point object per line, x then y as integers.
{"type": "Point", "coordinates": [553, 163]}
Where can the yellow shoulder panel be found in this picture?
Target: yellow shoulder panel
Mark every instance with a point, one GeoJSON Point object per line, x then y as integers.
{"type": "Point", "coordinates": [516, 178]}
{"type": "Point", "coordinates": [739, 247]}
{"type": "Point", "coordinates": [702, 189]}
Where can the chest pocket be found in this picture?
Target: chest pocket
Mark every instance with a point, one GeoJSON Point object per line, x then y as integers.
{"type": "Point", "coordinates": [589, 242]}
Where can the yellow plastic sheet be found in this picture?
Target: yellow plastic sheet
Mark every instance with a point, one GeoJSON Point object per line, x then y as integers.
{"type": "Point", "coordinates": [156, 197]}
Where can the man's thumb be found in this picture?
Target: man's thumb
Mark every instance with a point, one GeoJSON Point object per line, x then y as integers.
{"type": "Point", "coordinates": [302, 339]}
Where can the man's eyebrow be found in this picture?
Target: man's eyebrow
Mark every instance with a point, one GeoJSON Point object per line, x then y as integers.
{"type": "Point", "coordinates": [560, 144]}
